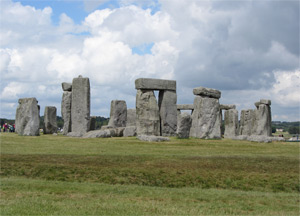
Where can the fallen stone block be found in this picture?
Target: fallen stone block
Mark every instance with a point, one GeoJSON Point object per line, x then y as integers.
{"type": "Point", "coordinates": [153, 138]}
{"type": "Point", "coordinates": [129, 131]}
{"type": "Point", "coordinates": [98, 134]}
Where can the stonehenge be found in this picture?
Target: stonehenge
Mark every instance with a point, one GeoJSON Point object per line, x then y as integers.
{"type": "Point", "coordinates": [27, 117]}
{"type": "Point", "coordinates": [50, 124]}
{"type": "Point", "coordinates": [152, 117]}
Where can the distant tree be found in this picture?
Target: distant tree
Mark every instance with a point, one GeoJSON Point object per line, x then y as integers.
{"type": "Point", "coordinates": [294, 130]}
{"type": "Point", "coordinates": [273, 129]}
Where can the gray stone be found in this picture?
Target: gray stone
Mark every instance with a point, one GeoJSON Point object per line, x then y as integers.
{"type": "Point", "coordinates": [66, 103]}
{"type": "Point", "coordinates": [147, 113]}
{"type": "Point", "coordinates": [240, 137]}
{"type": "Point", "coordinates": [98, 134]}
{"type": "Point", "coordinates": [75, 134]}
{"type": "Point", "coordinates": [185, 106]}
{"type": "Point", "coordinates": [168, 112]}
{"type": "Point", "coordinates": [205, 118]}
{"type": "Point", "coordinates": [118, 113]}
{"type": "Point", "coordinates": [153, 138]}
{"type": "Point", "coordinates": [131, 117]}
{"type": "Point", "coordinates": [231, 121]}
{"type": "Point", "coordinates": [50, 122]}
{"type": "Point", "coordinates": [184, 125]}
{"type": "Point", "coordinates": [207, 92]}
{"type": "Point", "coordinates": [27, 117]}
{"type": "Point", "coordinates": [104, 127]}
{"type": "Point", "coordinates": [263, 121]}
{"type": "Point", "coordinates": [80, 112]}
{"type": "Point", "coordinates": [129, 131]}
{"type": "Point", "coordinates": [66, 86]}
{"type": "Point", "coordinates": [118, 131]}
{"type": "Point", "coordinates": [247, 122]}
{"type": "Point", "coordinates": [155, 84]}
{"type": "Point", "coordinates": [93, 123]}
{"type": "Point", "coordinates": [265, 101]}
{"type": "Point", "coordinates": [227, 106]}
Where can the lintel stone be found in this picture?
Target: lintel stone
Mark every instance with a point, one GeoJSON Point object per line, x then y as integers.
{"type": "Point", "coordinates": [155, 84]}
{"type": "Point", "coordinates": [227, 106]}
{"type": "Point", "coordinates": [265, 101]}
{"type": "Point", "coordinates": [185, 106]}
{"type": "Point", "coordinates": [66, 86]}
{"type": "Point", "coordinates": [207, 92]}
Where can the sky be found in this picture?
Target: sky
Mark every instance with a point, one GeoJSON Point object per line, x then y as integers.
{"type": "Point", "coordinates": [247, 49]}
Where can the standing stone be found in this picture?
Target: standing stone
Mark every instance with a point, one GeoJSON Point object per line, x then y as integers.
{"type": "Point", "coordinates": [184, 125]}
{"type": "Point", "coordinates": [168, 112]}
{"type": "Point", "coordinates": [50, 123]}
{"type": "Point", "coordinates": [147, 113]}
{"type": "Point", "coordinates": [131, 117]}
{"type": "Point", "coordinates": [263, 120]}
{"type": "Point", "coordinates": [66, 104]}
{"type": "Point", "coordinates": [118, 113]}
{"type": "Point", "coordinates": [206, 118]}
{"type": "Point", "coordinates": [80, 112]}
{"type": "Point", "coordinates": [231, 121]}
{"type": "Point", "coordinates": [27, 117]}
{"type": "Point", "coordinates": [247, 122]}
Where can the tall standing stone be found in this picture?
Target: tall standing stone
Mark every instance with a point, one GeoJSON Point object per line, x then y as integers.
{"type": "Point", "coordinates": [168, 112]}
{"type": "Point", "coordinates": [80, 112]}
{"type": "Point", "coordinates": [206, 121]}
{"type": "Point", "coordinates": [27, 117]}
{"type": "Point", "coordinates": [131, 117]}
{"type": "Point", "coordinates": [247, 122]}
{"type": "Point", "coordinates": [147, 113]}
{"type": "Point", "coordinates": [206, 118]}
{"type": "Point", "coordinates": [231, 121]}
{"type": "Point", "coordinates": [66, 104]}
{"type": "Point", "coordinates": [184, 125]}
{"type": "Point", "coordinates": [263, 118]}
{"type": "Point", "coordinates": [50, 123]}
{"type": "Point", "coordinates": [118, 113]}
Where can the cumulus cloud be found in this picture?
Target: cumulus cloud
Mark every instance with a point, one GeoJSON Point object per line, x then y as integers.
{"type": "Point", "coordinates": [247, 49]}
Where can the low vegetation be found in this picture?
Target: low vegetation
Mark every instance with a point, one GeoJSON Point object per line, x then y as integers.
{"type": "Point", "coordinates": [116, 176]}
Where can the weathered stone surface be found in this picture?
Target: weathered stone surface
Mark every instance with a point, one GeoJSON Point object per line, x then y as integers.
{"type": "Point", "coordinates": [129, 131]}
{"type": "Point", "coordinates": [50, 123]}
{"type": "Point", "coordinates": [98, 134]}
{"type": "Point", "coordinates": [66, 86]}
{"type": "Point", "coordinates": [265, 101]}
{"type": "Point", "coordinates": [247, 122]}
{"type": "Point", "coordinates": [118, 131]}
{"type": "Point", "coordinates": [75, 134]}
{"type": "Point", "coordinates": [207, 92]}
{"type": "Point", "coordinates": [104, 127]}
{"type": "Point", "coordinates": [66, 103]}
{"type": "Point", "coordinates": [231, 120]}
{"type": "Point", "coordinates": [80, 112]}
{"type": "Point", "coordinates": [227, 106]}
{"type": "Point", "coordinates": [118, 113]}
{"type": "Point", "coordinates": [185, 106]}
{"type": "Point", "coordinates": [168, 112]}
{"type": "Point", "coordinates": [93, 123]}
{"type": "Point", "coordinates": [259, 138]}
{"type": "Point", "coordinates": [155, 84]}
{"type": "Point", "coordinates": [147, 113]}
{"type": "Point", "coordinates": [205, 118]}
{"type": "Point", "coordinates": [27, 117]}
{"type": "Point", "coordinates": [263, 121]}
{"type": "Point", "coordinates": [184, 125]}
{"type": "Point", "coordinates": [131, 117]}
{"type": "Point", "coordinates": [152, 138]}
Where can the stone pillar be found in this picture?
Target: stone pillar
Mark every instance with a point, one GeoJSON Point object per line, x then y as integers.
{"type": "Point", "coordinates": [206, 115]}
{"type": "Point", "coordinates": [168, 112]}
{"type": "Point", "coordinates": [231, 120]}
{"type": "Point", "coordinates": [27, 117]}
{"type": "Point", "coordinates": [131, 117]}
{"type": "Point", "coordinates": [147, 113]}
{"type": "Point", "coordinates": [66, 104]}
{"type": "Point", "coordinates": [118, 113]}
{"type": "Point", "coordinates": [50, 123]}
{"type": "Point", "coordinates": [263, 118]}
{"type": "Point", "coordinates": [247, 122]}
{"type": "Point", "coordinates": [80, 111]}
{"type": "Point", "coordinates": [184, 125]}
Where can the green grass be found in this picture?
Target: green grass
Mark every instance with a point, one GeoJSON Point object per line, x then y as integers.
{"type": "Point", "coordinates": [59, 175]}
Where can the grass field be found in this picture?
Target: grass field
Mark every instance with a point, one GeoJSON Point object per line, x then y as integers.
{"type": "Point", "coordinates": [57, 175]}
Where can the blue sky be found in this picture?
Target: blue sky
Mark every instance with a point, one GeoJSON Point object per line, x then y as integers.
{"type": "Point", "coordinates": [249, 50]}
